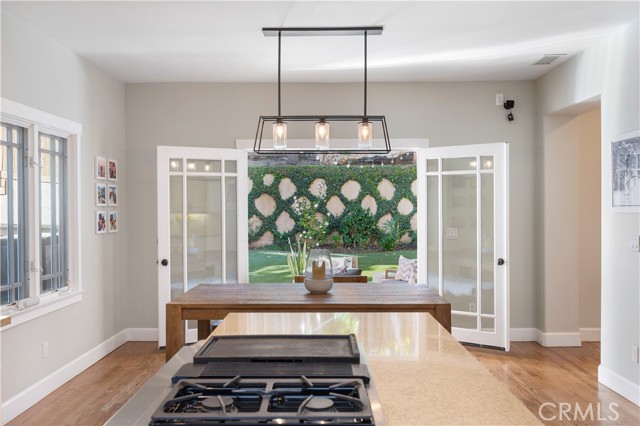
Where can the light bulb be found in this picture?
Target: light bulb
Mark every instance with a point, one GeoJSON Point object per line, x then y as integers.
{"type": "Point", "coordinates": [322, 134]}
{"type": "Point", "coordinates": [365, 132]}
{"type": "Point", "coordinates": [279, 135]}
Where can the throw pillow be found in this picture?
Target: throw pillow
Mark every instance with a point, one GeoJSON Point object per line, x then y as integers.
{"type": "Point", "coordinates": [406, 268]}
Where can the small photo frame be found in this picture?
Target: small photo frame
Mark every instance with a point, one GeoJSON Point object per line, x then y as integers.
{"type": "Point", "coordinates": [112, 169]}
{"type": "Point", "coordinates": [101, 167]}
{"type": "Point", "coordinates": [101, 194]}
{"type": "Point", "coordinates": [101, 222]}
{"type": "Point", "coordinates": [112, 222]}
{"type": "Point", "coordinates": [625, 172]}
{"type": "Point", "coordinates": [112, 195]}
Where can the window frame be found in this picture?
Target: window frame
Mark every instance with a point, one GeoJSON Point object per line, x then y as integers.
{"type": "Point", "coordinates": [36, 122]}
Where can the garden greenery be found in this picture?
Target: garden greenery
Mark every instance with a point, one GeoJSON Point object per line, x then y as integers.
{"type": "Point", "coordinates": [333, 227]}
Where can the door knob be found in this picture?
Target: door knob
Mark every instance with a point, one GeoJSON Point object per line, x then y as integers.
{"type": "Point", "coordinates": [500, 261]}
{"type": "Point", "coordinates": [164, 262]}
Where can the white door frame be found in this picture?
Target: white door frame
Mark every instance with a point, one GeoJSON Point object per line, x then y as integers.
{"type": "Point", "coordinates": [164, 154]}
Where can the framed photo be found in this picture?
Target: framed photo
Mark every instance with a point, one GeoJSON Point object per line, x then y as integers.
{"type": "Point", "coordinates": [112, 169]}
{"type": "Point", "coordinates": [112, 222]}
{"type": "Point", "coordinates": [101, 194]}
{"type": "Point", "coordinates": [101, 167]}
{"type": "Point", "coordinates": [112, 195]}
{"type": "Point", "coordinates": [101, 222]}
{"type": "Point", "coordinates": [625, 173]}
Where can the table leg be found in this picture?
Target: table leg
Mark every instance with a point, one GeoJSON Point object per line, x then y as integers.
{"type": "Point", "coordinates": [204, 329]}
{"type": "Point", "coordinates": [175, 330]}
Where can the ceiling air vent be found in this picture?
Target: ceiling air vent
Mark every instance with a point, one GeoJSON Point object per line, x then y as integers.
{"type": "Point", "coordinates": [547, 59]}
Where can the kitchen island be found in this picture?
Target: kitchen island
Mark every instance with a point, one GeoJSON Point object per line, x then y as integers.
{"type": "Point", "coordinates": [420, 374]}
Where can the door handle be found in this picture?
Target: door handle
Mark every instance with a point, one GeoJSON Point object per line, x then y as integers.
{"type": "Point", "coordinates": [164, 262]}
{"type": "Point", "coordinates": [500, 261]}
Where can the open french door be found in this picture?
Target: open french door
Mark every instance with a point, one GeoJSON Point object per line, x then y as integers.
{"type": "Point", "coordinates": [202, 226]}
{"type": "Point", "coordinates": [463, 237]}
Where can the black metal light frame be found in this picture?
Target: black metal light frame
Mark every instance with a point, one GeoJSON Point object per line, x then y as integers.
{"type": "Point", "coordinates": [321, 31]}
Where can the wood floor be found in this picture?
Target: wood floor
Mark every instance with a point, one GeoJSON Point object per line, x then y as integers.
{"type": "Point", "coordinates": [534, 374]}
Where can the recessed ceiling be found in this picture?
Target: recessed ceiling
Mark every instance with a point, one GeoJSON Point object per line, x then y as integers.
{"type": "Point", "coordinates": [215, 41]}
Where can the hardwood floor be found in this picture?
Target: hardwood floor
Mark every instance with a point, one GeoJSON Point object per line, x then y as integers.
{"type": "Point", "coordinates": [564, 381]}
{"type": "Point", "coordinates": [534, 374]}
{"type": "Point", "coordinates": [93, 396]}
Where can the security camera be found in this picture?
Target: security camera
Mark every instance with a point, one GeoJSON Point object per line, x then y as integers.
{"type": "Point", "coordinates": [509, 104]}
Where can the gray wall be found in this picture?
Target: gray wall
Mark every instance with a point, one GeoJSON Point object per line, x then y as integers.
{"type": "Point", "coordinates": [216, 115]}
{"type": "Point", "coordinates": [608, 71]}
{"type": "Point", "coordinates": [43, 74]}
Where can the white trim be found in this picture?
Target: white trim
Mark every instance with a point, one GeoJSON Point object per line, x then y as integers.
{"type": "Point", "coordinates": [523, 334]}
{"type": "Point", "coordinates": [403, 143]}
{"type": "Point", "coordinates": [24, 115]}
{"type": "Point", "coordinates": [619, 384]}
{"type": "Point", "coordinates": [590, 334]}
{"type": "Point", "coordinates": [21, 402]}
{"type": "Point", "coordinates": [558, 339]}
{"type": "Point", "coordinates": [49, 304]}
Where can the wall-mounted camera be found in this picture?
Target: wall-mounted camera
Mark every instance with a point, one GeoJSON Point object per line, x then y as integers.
{"type": "Point", "coordinates": [508, 105]}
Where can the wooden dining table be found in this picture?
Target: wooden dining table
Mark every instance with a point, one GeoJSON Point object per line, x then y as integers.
{"type": "Point", "coordinates": [207, 302]}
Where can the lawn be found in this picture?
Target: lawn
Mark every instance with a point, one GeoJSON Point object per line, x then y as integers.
{"type": "Point", "coordinates": [270, 266]}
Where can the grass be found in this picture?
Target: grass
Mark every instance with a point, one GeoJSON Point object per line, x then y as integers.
{"type": "Point", "coordinates": [270, 266]}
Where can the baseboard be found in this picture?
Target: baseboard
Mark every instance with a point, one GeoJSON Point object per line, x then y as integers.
{"type": "Point", "coordinates": [523, 334]}
{"type": "Point", "coordinates": [590, 334]}
{"type": "Point", "coordinates": [558, 339]}
{"type": "Point", "coordinates": [21, 402]}
{"type": "Point", "coordinates": [619, 384]}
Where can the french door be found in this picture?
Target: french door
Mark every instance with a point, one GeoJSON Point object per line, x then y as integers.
{"type": "Point", "coordinates": [202, 225]}
{"type": "Point", "coordinates": [463, 243]}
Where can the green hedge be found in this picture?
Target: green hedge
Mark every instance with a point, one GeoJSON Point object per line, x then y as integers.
{"type": "Point", "coordinates": [335, 177]}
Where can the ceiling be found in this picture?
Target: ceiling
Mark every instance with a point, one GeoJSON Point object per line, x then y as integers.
{"type": "Point", "coordinates": [217, 41]}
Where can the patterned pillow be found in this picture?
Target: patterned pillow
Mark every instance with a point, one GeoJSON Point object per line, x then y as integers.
{"type": "Point", "coordinates": [406, 268]}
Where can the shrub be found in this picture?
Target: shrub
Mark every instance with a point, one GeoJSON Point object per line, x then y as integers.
{"type": "Point", "coordinates": [357, 227]}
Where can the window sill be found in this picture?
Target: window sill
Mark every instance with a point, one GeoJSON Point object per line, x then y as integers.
{"type": "Point", "coordinates": [48, 304]}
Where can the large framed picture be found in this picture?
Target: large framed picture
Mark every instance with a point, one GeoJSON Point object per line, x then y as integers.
{"type": "Point", "coordinates": [101, 222]}
{"type": "Point", "coordinates": [112, 222]}
{"type": "Point", "coordinates": [101, 194]}
{"type": "Point", "coordinates": [112, 169]}
{"type": "Point", "coordinates": [112, 195]}
{"type": "Point", "coordinates": [625, 173]}
{"type": "Point", "coordinates": [101, 167]}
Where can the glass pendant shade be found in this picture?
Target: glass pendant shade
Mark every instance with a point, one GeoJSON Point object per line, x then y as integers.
{"type": "Point", "coordinates": [322, 135]}
{"type": "Point", "coordinates": [279, 135]}
{"type": "Point", "coordinates": [365, 134]}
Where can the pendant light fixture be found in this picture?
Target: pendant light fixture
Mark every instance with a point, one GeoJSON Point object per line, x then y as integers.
{"type": "Point", "coordinates": [363, 124]}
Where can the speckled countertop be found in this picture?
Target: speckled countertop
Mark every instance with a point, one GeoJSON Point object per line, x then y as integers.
{"type": "Point", "coordinates": [422, 375]}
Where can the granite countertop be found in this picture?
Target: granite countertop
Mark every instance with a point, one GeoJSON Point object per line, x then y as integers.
{"type": "Point", "coordinates": [422, 375]}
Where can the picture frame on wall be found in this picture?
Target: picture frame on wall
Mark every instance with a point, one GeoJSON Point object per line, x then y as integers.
{"type": "Point", "coordinates": [625, 173]}
{"type": "Point", "coordinates": [101, 194]}
{"type": "Point", "coordinates": [112, 222]}
{"type": "Point", "coordinates": [112, 195]}
{"type": "Point", "coordinates": [101, 167]}
{"type": "Point", "coordinates": [112, 169]}
{"type": "Point", "coordinates": [101, 222]}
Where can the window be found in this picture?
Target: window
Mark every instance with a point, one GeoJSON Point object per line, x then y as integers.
{"type": "Point", "coordinates": [39, 235]}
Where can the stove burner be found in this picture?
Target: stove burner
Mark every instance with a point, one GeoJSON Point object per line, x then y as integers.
{"type": "Point", "coordinates": [319, 403]}
{"type": "Point", "coordinates": [213, 403]}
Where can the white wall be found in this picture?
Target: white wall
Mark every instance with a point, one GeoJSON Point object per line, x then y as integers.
{"type": "Point", "coordinates": [218, 114]}
{"type": "Point", "coordinates": [40, 73]}
{"type": "Point", "coordinates": [609, 71]}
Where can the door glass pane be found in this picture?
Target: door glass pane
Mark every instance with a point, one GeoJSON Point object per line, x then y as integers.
{"type": "Point", "coordinates": [486, 162]}
{"type": "Point", "coordinates": [231, 227]}
{"type": "Point", "coordinates": [454, 164]}
{"type": "Point", "coordinates": [433, 232]}
{"type": "Point", "coordinates": [459, 242]}
{"type": "Point", "coordinates": [204, 230]}
{"type": "Point", "coordinates": [175, 165]}
{"type": "Point", "coordinates": [488, 324]}
{"type": "Point", "coordinates": [464, 321]}
{"type": "Point", "coordinates": [432, 165]}
{"type": "Point", "coordinates": [487, 255]}
{"type": "Point", "coordinates": [205, 166]}
{"type": "Point", "coordinates": [175, 235]}
{"type": "Point", "coordinates": [230, 166]}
